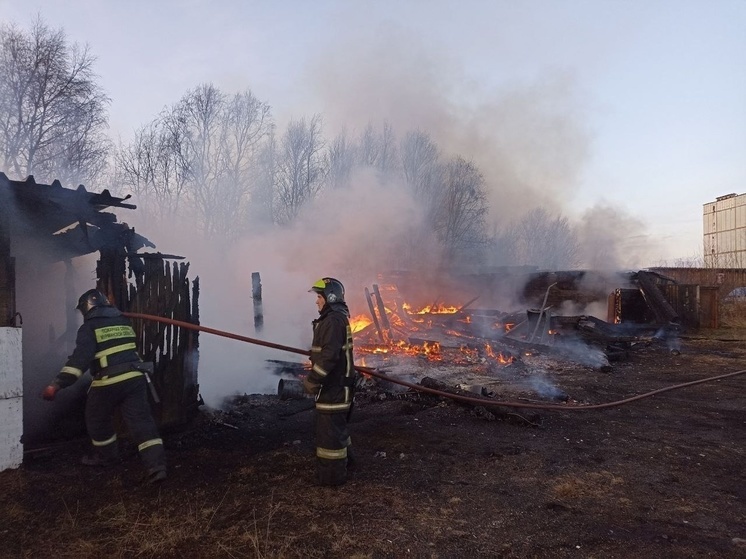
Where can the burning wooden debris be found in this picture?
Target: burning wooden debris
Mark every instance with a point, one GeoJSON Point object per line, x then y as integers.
{"type": "Point", "coordinates": [487, 351]}
{"type": "Point", "coordinates": [437, 332]}
{"type": "Point", "coordinates": [456, 334]}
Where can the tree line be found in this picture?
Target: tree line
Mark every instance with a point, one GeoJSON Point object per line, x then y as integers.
{"type": "Point", "coordinates": [219, 159]}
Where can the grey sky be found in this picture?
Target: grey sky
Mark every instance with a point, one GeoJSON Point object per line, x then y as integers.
{"type": "Point", "coordinates": [647, 99]}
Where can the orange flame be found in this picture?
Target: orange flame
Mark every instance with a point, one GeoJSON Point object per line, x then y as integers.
{"type": "Point", "coordinates": [405, 320]}
{"type": "Point", "coordinates": [499, 357]}
{"type": "Point", "coordinates": [431, 350]}
{"type": "Point", "coordinates": [427, 349]}
{"type": "Point", "coordinates": [359, 322]}
{"type": "Point", "coordinates": [431, 309]}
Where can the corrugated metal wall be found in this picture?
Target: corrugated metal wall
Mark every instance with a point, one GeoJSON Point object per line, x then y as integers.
{"type": "Point", "coordinates": [724, 227]}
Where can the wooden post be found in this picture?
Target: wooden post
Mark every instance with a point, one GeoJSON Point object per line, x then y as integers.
{"type": "Point", "coordinates": [382, 310]}
{"type": "Point", "coordinates": [256, 295]}
{"type": "Point", "coordinates": [373, 314]}
{"type": "Point", "coordinates": [7, 280]}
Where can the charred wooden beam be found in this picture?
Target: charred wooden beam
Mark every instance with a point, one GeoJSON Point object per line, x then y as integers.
{"type": "Point", "coordinates": [373, 314]}
{"type": "Point", "coordinates": [382, 310]}
{"type": "Point", "coordinates": [288, 367]}
{"type": "Point", "coordinates": [649, 288]}
{"type": "Point", "coordinates": [577, 349]}
{"type": "Point", "coordinates": [542, 312]}
{"type": "Point", "coordinates": [256, 295]}
{"type": "Point", "coordinates": [7, 278]}
{"type": "Point", "coordinates": [465, 305]}
{"type": "Point", "coordinates": [434, 384]}
{"type": "Point", "coordinates": [490, 411]}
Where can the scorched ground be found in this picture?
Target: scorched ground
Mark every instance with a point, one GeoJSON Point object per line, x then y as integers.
{"type": "Point", "coordinates": [660, 477]}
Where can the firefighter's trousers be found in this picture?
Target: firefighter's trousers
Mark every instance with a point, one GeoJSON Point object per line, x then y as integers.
{"type": "Point", "coordinates": [131, 397]}
{"type": "Point", "coordinates": [333, 446]}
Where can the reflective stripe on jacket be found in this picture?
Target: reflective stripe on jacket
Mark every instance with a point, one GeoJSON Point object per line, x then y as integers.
{"type": "Point", "coordinates": [105, 339]}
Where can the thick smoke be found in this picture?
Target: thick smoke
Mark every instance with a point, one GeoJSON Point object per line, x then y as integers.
{"type": "Point", "coordinates": [352, 234]}
{"type": "Point", "coordinates": [46, 294]}
{"type": "Point", "coordinates": [529, 140]}
{"type": "Point", "coordinates": [613, 240]}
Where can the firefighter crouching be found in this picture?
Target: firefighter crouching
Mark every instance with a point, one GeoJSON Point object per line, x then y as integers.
{"type": "Point", "coordinates": [106, 343]}
{"type": "Point", "coordinates": [332, 381]}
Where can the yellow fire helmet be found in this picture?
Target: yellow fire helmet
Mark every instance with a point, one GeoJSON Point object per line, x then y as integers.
{"type": "Point", "coordinates": [330, 289]}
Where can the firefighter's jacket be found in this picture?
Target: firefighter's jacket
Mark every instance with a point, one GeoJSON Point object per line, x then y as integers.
{"type": "Point", "coordinates": [105, 343]}
{"type": "Point", "coordinates": [332, 374]}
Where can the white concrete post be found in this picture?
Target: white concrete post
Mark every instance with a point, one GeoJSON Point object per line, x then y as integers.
{"type": "Point", "coordinates": [11, 398]}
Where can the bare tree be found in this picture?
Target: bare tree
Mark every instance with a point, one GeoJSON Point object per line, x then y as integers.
{"type": "Point", "coordinates": [545, 240]}
{"type": "Point", "coordinates": [388, 157]}
{"type": "Point", "coordinates": [504, 247]}
{"type": "Point", "coordinates": [152, 168]}
{"type": "Point", "coordinates": [246, 124]}
{"type": "Point", "coordinates": [52, 112]}
{"type": "Point", "coordinates": [300, 167]}
{"type": "Point", "coordinates": [341, 158]}
{"type": "Point", "coordinates": [368, 147]}
{"type": "Point", "coordinates": [199, 117]}
{"type": "Point", "coordinates": [459, 209]}
{"type": "Point", "coordinates": [199, 159]}
{"type": "Point", "coordinates": [379, 150]}
{"type": "Point", "coordinates": [419, 157]}
{"type": "Point", "coordinates": [262, 203]}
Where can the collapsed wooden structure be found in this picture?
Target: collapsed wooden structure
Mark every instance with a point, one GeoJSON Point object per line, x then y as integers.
{"type": "Point", "coordinates": [56, 224]}
{"type": "Point", "coordinates": [645, 309]}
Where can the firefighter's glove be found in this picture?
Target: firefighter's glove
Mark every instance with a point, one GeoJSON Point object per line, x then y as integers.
{"type": "Point", "coordinates": [50, 391]}
{"type": "Point", "coordinates": [311, 387]}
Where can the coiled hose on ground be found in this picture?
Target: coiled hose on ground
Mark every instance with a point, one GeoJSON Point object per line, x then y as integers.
{"type": "Point", "coordinates": [467, 399]}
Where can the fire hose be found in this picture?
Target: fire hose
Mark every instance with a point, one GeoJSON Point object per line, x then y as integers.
{"type": "Point", "coordinates": [467, 399]}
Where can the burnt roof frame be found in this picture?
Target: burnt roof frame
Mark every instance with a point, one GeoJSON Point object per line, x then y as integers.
{"type": "Point", "coordinates": [58, 217]}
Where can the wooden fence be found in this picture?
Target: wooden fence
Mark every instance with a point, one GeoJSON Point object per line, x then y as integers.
{"type": "Point", "coordinates": [159, 285]}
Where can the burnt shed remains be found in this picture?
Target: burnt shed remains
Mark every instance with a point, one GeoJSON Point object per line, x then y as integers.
{"type": "Point", "coordinates": [49, 237]}
{"type": "Point", "coordinates": [585, 316]}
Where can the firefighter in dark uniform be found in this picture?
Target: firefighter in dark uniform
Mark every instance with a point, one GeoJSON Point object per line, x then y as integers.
{"type": "Point", "coordinates": [332, 381]}
{"type": "Point", "coordinates": [106, 343]}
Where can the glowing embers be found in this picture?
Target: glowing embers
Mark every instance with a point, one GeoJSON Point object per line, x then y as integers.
{"type": "Point", "coordinates": [425, 348]}
{"type": "Point", "coordinates": [429, 349]}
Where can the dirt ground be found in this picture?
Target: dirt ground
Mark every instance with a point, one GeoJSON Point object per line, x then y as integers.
{"type": "Point", "coordinates": [659, 477]}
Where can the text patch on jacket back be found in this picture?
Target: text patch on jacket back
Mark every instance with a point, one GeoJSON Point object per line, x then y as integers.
{"type": "Point", "coordinates": [114, 332]}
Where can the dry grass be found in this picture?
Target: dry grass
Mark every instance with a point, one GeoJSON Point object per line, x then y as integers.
{"type": "Point", "coordinates": [259, 535]}
{"type": "Point", "coordinates": [594, 485]}
{"type": "Point", "coordinates": [152, 530]}
{"type": "Point", "coordinates": [14, 513]}
{"type": "Point", "coordinates": [140, 532]}
{"type": "Point", "coordinates": [13, 482]}
{"type": "Point", "coordinates": [733, 314]}
{"type": "Point", "coordinates": [71, 516]}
